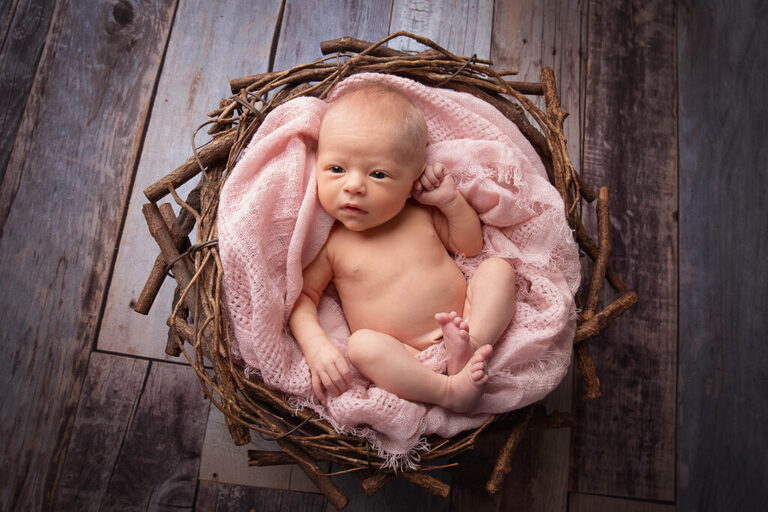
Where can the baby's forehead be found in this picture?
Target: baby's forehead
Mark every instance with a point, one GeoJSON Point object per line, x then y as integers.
{"type": "Point", "coordinates": [365, 105]}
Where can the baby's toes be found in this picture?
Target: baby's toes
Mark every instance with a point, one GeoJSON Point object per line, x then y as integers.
{"type": "Point", "coordinates": [443, 318]}
{"type": "Point", "coordinates": [478, 365]}
{"type": "Point", "coordinates": [484, 351]}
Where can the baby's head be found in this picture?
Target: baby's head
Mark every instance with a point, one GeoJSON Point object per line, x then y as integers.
{"type": "Point", "coordinates": [371, 149]}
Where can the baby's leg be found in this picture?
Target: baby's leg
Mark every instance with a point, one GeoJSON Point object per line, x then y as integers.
{"type": "Point", "coordinates": [490, 296]}
{"type": "Point", "coordinates": [386, 362]}
{"type": "Point", "coordinates": [490, 301]}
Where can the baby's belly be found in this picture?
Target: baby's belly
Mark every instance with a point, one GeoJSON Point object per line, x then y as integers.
{"type": "Point", "coordinates": [404, 304]}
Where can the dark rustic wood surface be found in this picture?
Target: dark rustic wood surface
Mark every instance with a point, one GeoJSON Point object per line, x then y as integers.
{"type": "Point", "coordinates": [78, 83]}
{"type": "Point", "coordinates": [723, 380]}
{"type": "Point", "coordinates": [108, 402]}
{"type": "Point", "coordinates": [624, 442]}
{"type": "Point", "coordinates": [23, 26]}
{"type": "Point", "coordinates": [160, 454]}
{"type": "Point", "coordinates": [218, 497]}
{"type": "Point", "coordinates": [62, 199]}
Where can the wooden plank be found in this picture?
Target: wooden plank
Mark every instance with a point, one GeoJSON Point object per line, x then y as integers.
{"type": "Point", "coordinates": [7, 10]}
{"type": "Point", "coordinates": [306, 23]}
{"type": "Point", "coordinates": [624, 445]}
{"type": "Point", "coordinates": [528, 36]}
{"type": "Point", "coordinates": [107, 403]}
{"type": "Point", "coordinates": [223, 462]}
{"type": "Point", "coordinates": [399, 494]}
{"type": "Point", "coordinates": [461, 27]}
{"type": "Point", "coordinates": [219, 497]}
{"type": "Point", "coordinates": [589, 502]}
{"type": "Point", "coordinates": [62, 198]}
{"type": "Point", "coordinates": [160, 455]}
{"type": "Point", "coordinates": [211, 43]}
{"type": "Point", "coordinates": [722, 381]}
{"type": "Point", "coordinates": [24, 25]}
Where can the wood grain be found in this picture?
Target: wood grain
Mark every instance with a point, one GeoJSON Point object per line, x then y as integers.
{"type": "Point", "coordinates": [461, 27]}
{"type": "Point", "coordinates": [722, 380]}
{"type": "Point", "coordinates": [527, 36]}
{"type": "Point", "coordinates": [624, 445]}
{"type": "Point", "coordinates": [306, 23]}
{"type": "Point", "coordinates": [110, 394]}
{"type": "Point", "coordinates": [218, 497]}
{"type": "Point", "coordinates": [160, 455]}
{"type": "Point", "coordinates": [223, 462]}
{"type": "Point", "coordinates": [590, 502]}
{"type": "Point", "coordinates": [62, 197]}
{"type": "Point", "coordinates": [210, 43]}
{"type": "Point", "coordinates": [23, 25]}
{"type": "Point", "coordinates": [399, 494]}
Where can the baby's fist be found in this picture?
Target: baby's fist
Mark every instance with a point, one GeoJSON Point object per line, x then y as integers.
{"type": "Point", "coordinates": [435, 186]}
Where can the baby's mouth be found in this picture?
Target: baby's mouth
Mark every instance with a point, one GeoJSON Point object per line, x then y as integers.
{"type": "Point", "coordinates": [351, 209]}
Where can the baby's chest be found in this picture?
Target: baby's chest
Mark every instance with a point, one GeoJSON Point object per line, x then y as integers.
{"type": "Point", "coordinates": [390, 255]}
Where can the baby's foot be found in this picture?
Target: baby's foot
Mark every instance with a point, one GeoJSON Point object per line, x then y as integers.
{"type": "Point", "coordinates": [456, 337]}
{"type": "Point", "coordinates": [465, 388]}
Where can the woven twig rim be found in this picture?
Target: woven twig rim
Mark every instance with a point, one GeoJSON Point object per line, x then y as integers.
{"type": "Point", "coordinates": [248, 404]}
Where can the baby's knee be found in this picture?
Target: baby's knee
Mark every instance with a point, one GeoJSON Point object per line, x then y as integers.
{"type": "Point", "coordinates": [500, 270]}
{"type": "Point", "coordinates": [362, 347]}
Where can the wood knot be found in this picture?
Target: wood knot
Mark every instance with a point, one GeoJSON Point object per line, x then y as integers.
{"type": "Point", "coordinates": [123, 12]}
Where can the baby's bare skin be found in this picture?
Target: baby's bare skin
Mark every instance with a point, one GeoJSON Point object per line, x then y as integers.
{"type": "Point", "coordinates": [388, 257]}
{"type": "Point", "coordinates": [395, 278]}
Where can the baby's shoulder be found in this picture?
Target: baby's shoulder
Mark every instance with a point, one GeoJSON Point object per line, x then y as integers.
{"type": "Point", "coordinates": [418, 212]}
{"type": "Point", "coordinates": [337, 238]}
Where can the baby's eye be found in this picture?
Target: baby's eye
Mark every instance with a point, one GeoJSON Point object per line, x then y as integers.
{"type": "Point", "coordinates": [379, 175]}
{"type": "Point", "coordinates": [336, 169]}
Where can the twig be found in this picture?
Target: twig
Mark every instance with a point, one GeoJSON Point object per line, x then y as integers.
{"type": "Point", "coordinates": [502, 467]}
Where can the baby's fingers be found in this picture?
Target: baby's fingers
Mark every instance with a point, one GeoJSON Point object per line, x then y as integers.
{"type": "Point", "coordinates": [346, 374]}
{"type": "Point", "coordinates": [439, 172]}
{"type": "Point", "coordinates": [430, 179]}
{"type": "Point", "coordinates": [317, 387]}
{"type": "Point", "coordinates": [330, 379]}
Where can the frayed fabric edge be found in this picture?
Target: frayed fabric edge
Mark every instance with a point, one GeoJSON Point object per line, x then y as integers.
{"type": "Point", "coordinates": [395, 461]}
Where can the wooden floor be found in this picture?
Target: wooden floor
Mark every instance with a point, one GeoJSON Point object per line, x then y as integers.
{"type": "Point", "coordinates": [98, 100]}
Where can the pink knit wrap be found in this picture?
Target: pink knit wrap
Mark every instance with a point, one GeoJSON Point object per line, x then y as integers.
{"type": "Point", "coordinates": [271, 226]}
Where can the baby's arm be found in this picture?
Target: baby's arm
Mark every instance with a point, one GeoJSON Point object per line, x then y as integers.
{"type": "Point", "coordinates": [456, 222]}
{"type": "Point", "coordinates": [327, 364]}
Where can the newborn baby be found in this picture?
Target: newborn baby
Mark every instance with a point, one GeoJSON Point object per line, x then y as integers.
{"type": "Point", "coordinates": [388, 257]}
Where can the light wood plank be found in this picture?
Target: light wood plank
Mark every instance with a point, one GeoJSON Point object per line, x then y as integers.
{"type": "Point", "coordinates": [160, 456]}
{"type": "Point", "coordinates": [722, 379]}
{"type": "Point", "coordinates": [62, 198]}
{"type": "Point", "coordinates": [624, 445]}
{"type": "Point", "coordinates": [463, 28]}
{"type": "Point", "coordinates": [224, 462]}
{"type": "Point", "coordinates": [589, 502]}
{"type": "Point", "coordinates": [110, 395]}
{"type": "Point", "coordinates": [220, 497]}
{"type": "Point", "coordinates": [307, 23]}
{"type": "Point", "coordinates": [210, 44]}
{"type": "Point", "coordinates": [24, 26]}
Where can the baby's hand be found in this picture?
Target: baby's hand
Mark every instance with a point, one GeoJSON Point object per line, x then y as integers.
{"type": "Point", "coordinates": [329, 369]}
{"type": "Point", "coordinates": [435, 186]}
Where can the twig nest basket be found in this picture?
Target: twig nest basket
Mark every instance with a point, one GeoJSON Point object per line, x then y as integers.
{"type": "Point", "coordinates": [199, 326]}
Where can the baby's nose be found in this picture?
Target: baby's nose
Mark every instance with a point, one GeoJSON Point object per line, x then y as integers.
{"type": "Point", "coordinates": [354, 184]}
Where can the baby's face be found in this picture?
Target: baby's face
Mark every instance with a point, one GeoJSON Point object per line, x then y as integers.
{"type": "Point", "coordinates": [365, 170]}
